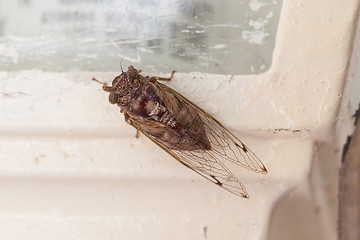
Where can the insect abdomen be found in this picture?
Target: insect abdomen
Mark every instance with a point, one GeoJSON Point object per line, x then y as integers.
{"type": "Point", "coordinates": [160, 113]}
{"type": "Point", "coordinates": [179, 129]}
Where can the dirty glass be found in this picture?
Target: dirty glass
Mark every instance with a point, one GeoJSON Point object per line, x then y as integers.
{"type": "Point", "coordinates": [225, 37]}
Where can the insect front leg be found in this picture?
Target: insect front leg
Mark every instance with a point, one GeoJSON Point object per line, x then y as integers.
{"type": "Point", "coordinates": [164, 79]}
{"type": "Point", "coordinates": [128, 121]}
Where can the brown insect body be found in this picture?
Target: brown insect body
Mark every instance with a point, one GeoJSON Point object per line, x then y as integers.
{"type": "Point", "coordinates": [185, 131]}
{"type": "Point", "coordinates": [161, 114]}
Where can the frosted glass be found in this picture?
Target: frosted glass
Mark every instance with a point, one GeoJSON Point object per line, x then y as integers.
{"type": "Point", "coordinates": [228, 37]}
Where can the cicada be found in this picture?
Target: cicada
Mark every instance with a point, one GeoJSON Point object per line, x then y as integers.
{"type": "Point", "coordinates": [181, 128]}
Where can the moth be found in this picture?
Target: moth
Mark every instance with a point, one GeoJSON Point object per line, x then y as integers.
{"type": "Point", "coordinates": [181, 128]}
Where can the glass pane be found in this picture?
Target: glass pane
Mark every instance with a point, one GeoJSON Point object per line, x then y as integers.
{"type": "Point", "coordinates": [229, 37]}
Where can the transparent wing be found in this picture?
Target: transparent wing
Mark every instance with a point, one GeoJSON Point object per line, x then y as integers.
{"type": "Point", "coordinates": [224, 147]}
{"type": "Point", "coordinates": [205, 164]}
{"type": "Point", "coordinates": [223, 143]}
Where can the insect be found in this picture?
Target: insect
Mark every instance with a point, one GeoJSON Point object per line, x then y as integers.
{"type": "Point", "coordinates": [181, 128]}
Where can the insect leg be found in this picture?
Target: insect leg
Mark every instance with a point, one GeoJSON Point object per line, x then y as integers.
{"type": "Point", "coordinates": [165, 79]}
{"type": "Point", "coordinates": [128, 121]}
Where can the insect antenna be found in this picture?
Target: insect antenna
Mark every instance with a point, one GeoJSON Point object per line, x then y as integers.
{"type": "Point", "coordinates": [105, 86]}
{"type": "Point", "coordinates": [94, 79]}
{"type": "Point", "coordinates": [121, 66]}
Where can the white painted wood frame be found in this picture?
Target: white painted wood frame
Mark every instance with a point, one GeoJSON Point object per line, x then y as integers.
{"type": "Point", "coordinates": [71, 168]}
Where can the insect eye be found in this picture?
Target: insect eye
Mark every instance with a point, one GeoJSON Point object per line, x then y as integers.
{"type": "Point", "coordinates": [113, 97]}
